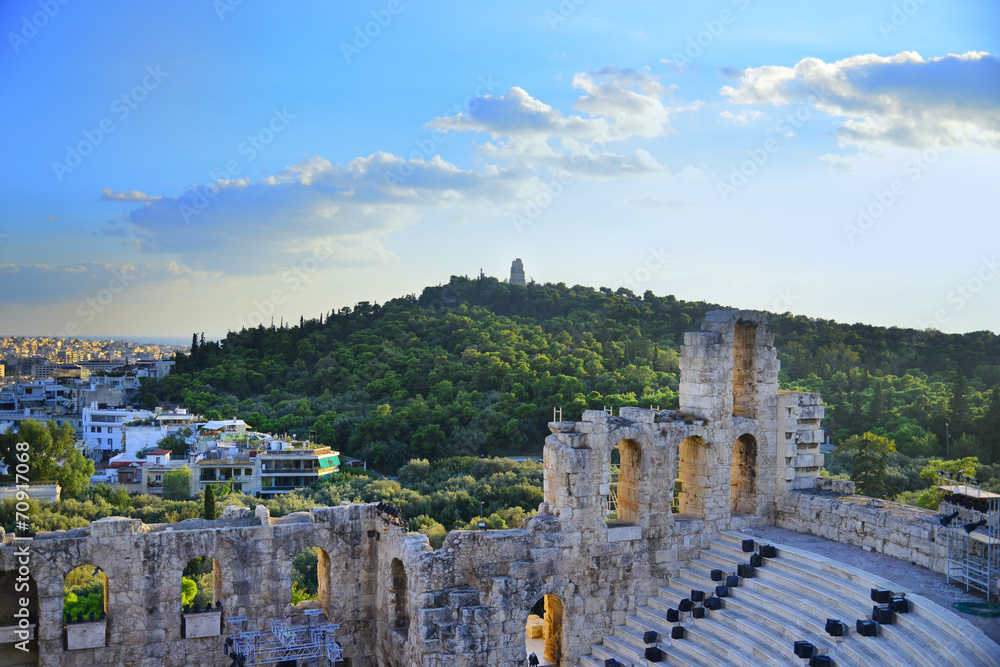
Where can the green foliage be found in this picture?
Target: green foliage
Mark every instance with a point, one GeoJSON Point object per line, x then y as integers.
{"type": "Point", "coordinates": [177, 484]}
{"type": "Point", "coordinates": [51, 455]}
{"type": "Point", "coordinates": [189, 588]}
{"type": "Point", "coordinates": [305, 579]}
{"type": "Point", "coordinates": [83, 592]}
{"type": "Point", "coordinates": [197, 583]}
{"type": "Point", "coordinates": [870, 454]}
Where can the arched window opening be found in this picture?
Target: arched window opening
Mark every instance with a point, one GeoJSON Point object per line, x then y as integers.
{"type": "Point", "coordinates": [199, 584]}
{"type": "Point", "coordinates": [611, 506]}
{"type": "Point", "coordinates": [744, 351]}
{"type": "Point", "coordinates": [544, 630]}
{"type": "Point", "coordinates": [625, 467]}
{"type": "Point", "coordinates": [85, 594]}
{"type": "Point", "coordinates": [400, 618]}
{"type": "Point", "coordinates": [305, 575]}
{"type": "Point", "coordinates": [743, 475]}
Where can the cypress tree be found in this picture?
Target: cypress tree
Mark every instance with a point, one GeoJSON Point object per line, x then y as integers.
{"type": "Point", "coordinates": [210, 503]}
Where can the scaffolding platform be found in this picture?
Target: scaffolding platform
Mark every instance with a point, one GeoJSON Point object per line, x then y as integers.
{"type": "Point", "coordinates": [973, 551]}
{"type": "Point", "coordinates": [283, 642]}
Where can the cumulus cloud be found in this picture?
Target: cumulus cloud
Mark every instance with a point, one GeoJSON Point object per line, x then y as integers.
{"type": "Point", "coordinates": [243, 227]}
{"type": "Point", "coordinates": [902, 100]}
{"type": "Point", "coordinates": [619, 103]}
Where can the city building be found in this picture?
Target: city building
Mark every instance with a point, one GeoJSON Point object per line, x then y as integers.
{"type": "Point", "coordinates": [102, 427]}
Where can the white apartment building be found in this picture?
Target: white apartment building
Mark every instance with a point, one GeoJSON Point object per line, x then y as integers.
{"type": "Point", "coordinates": [102, 427]}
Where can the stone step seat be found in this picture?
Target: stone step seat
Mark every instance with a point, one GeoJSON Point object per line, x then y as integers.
{"type": "Point", "coordinates": [735, 642]}
{"type": "Point", "coordinates": [821, 605]}
{"type": "Point", "coordinates": [748, 623]}
{"type": "Point", "coordinates": [787, 589]}
{"type": "Point", "coordinates": [763, 621]}
{"type": "Point", "coordinates": [697, 648]}
{"type": "Point", "coordinates": [793, 625]}
{"type": "Point", "coordinates": [599, 653]}
{"type": "Point", "coordinates": [964, 637]}
{"type": "Point", "coordinates": [947, 633]}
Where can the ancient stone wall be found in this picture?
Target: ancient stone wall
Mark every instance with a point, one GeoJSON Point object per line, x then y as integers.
{"type": "Point", "coordinates": [901, 531]}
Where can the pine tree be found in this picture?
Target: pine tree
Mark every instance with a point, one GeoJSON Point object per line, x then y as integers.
{"type": "Point", "coordinates": [209, 503]}
{"type": "Point", "coordinates": [194, 344]}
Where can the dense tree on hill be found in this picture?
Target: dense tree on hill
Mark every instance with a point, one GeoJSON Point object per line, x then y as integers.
{"type": "Point", "coordinates": [476, 366]}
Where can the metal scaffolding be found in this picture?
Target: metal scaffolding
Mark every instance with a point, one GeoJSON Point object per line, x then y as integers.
{"type": "Point", "coordinates": [971, 518]}
{"type": "Point", "coordinates": [283, 642]}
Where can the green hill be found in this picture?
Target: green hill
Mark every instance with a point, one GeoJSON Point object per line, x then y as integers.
{"type": "Point", "coordinates": [476, 366]}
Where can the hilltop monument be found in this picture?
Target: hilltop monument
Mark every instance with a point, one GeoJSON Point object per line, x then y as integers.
{"type": "Point", "coordinates": [517, 272]}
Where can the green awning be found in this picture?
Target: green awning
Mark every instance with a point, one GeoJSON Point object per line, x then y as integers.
{"type": "Point", "coordinates": [329, 461]}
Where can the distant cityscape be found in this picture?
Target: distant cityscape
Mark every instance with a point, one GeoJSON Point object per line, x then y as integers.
{"type": "Point", "coordinates": [20, 355]}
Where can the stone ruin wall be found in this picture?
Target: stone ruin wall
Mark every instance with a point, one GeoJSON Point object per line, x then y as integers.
{"type": "Point", "coordinates": [401, 604]}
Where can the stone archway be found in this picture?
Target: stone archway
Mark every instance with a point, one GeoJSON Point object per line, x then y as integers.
{"type": "Point", "coordinates": [544, 630]}
{"type": "Point", "coordinates": [743, 476]}
{"type": "Point", "coordinates": [625, 479]}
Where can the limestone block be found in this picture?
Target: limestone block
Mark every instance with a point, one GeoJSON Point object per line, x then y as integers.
{"type": "Point", "coordinates": [233, 512]}
{"type": "Point", "coordinates": [535, 628]}
{"type": "Point", "coordinates": [114, 526]}
{"type": "Point", "coordinates": [10, 634]}
{"type": "Point", "coordinates": [86, 635]}
{"type": "Point", "coordinates": [203, 624]}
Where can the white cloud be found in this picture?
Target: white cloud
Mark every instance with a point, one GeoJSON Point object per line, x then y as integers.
{"type": "Point", "coordinates": [619, 103]}
{"type": "Point", "coordinates": [131, 195]}
{"type": "Point", "coordinates": [243, 227]}
{"type": "Point", "coordinates": [902, 100]}
{"type": "Point", "coordinates": [743, 117]}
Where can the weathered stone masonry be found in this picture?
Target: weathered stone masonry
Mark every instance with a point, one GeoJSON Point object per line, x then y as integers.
{"type": "Point", "coordinates": [736, 445]}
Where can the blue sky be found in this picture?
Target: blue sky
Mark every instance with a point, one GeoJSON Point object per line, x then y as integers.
{"type": "Point", "coordinates": [200, 165]}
